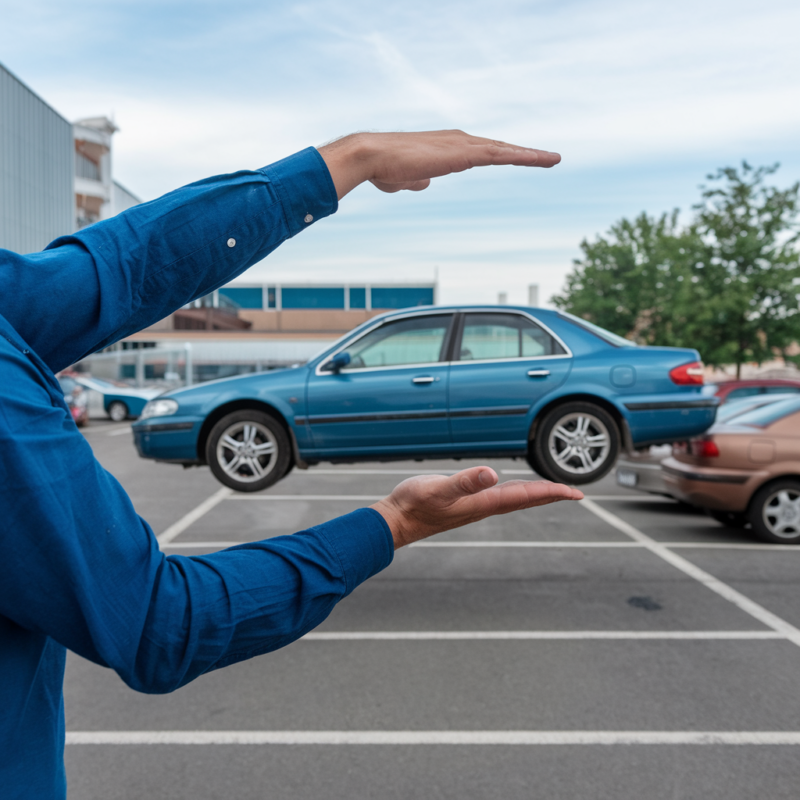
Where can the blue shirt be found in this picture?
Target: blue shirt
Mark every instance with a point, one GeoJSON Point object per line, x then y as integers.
{"type": "Point", "coordinates": [78, 568]}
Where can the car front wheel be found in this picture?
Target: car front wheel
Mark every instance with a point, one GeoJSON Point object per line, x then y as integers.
{"type": "Point", "coordinates": [118, 411]}
{"type": "Point", "coordinates": [248, 451]}
{"type": "Point", "coordinates": [575, 443]}
{"type": "Point", "coordinates": [775, 512]}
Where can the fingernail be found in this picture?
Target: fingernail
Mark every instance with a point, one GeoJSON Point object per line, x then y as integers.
{"type": "Point", "coordinates": [485, 478]}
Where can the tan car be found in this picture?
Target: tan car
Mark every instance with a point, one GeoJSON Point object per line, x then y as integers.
{"type": "Point", "coordinates": [747, 470]}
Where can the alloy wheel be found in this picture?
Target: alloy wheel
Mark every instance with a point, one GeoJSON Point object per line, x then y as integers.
{"type": "Point", "coordinates": [247, 451]}
{"type": "Point", "coordinates": [579, 443]}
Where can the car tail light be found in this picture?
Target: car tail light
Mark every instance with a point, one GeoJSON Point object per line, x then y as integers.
{"type": "Point", "coordinates": [688, 374]}
{"type": "Point", "coordinates": [704, 448]}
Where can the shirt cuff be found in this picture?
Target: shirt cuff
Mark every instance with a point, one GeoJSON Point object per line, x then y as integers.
{"type": "Point", "coordinates": [363, 543]}
{"type": "Point", "coordinates": [305, 188]}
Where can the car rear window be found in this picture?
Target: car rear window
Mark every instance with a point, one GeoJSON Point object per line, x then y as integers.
{"type": "Point", "coordinates": [607, 336]}
{"type": "Point", "coordinates": [766, 415]}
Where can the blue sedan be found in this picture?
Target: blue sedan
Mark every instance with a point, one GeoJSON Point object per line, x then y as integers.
{"type": "Point", "coordinates": [439, 382]}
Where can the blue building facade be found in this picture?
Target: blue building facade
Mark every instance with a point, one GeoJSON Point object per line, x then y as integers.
{"type": "Point", "coordinates": [279, 297]}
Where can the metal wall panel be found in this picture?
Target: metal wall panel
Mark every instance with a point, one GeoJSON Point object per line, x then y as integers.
{"type": "Point", "coordinates": [37, 200]}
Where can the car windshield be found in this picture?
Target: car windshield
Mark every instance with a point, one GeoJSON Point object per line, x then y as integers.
{"type": "Point", "coordinates": [766, 415]}
{"type": "Point", "coordinates": [611, 338]}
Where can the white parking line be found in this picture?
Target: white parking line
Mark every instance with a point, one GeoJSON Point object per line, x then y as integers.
{"type": "Point", "coordinates": [120, 431]}
{"type": "Point", "coordinates": [549, 544]}
{"type": "Point", "coordinates": [368, 498]}
{"type": "Point", "coordinates": [709, 581]}
{"type": "Point", "coordinates": [377, 737]}
{"type": "Point", "coordinates": [189, 519]}
{"type": "Point", "coordinates": [319, 471]}
{"type": "Point", "coordinates": [565, 636]}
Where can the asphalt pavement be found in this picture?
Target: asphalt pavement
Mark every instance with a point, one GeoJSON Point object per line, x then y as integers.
{"type": "Point", "coordinates": [626, 647]}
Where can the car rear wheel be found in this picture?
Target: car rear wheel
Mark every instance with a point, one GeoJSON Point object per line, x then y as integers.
{"type": "Point", "coordinates": [575, 443]}
{"type": "Point", "coordinates": [118, 411]}
{"type": "Point", "coordinates": [775, 512]}
{"type": "Point", "coordinates": [248, 451]}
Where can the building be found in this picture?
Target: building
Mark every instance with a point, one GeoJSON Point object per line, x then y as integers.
{"type": "Point", "coordinates": [37, 200]}
{"type": "Point", "coordinates": [97, 195]}
{"type": "Point", "coordinates": [55, 177]}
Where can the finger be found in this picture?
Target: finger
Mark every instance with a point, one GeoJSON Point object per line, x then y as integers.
{"type": "Point", "coordinates": [467, 482]}
{"type": "Point", "coordinates": [516, 495]}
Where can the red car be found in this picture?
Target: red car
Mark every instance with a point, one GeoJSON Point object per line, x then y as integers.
{"type": "Point", "coordinates": [733, 390]}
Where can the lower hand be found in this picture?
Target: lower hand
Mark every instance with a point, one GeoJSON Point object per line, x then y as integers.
{"type": "Point", "coordinates": [427, 504]}
{"type": "Point", "coordinates": [395, 161]}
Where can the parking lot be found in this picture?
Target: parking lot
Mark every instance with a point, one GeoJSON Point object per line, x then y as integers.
{"type": "Point", "coordinates": [622, 647]}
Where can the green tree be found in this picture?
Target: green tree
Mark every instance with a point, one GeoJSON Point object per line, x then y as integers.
{"type": "Point", "coordinates": [637, 280]}
{"type": "Point", "coordinates": [727, 283]}
{"type": "Point", "coordinates": [753, 272]}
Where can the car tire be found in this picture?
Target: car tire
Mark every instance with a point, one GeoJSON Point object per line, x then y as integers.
{"type": "Point", "coordinates": [248, 451]}
{"type": "Point", "coordinates": [585, 428]}
{"type": "Point", "coordinates": [730, 519]}
{"type": "Point", "coordinates": [775, 512]}
{"type": "Point", "coordinates": [118, 411]}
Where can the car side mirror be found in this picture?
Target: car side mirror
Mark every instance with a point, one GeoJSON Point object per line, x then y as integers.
{"type": "Point", "coordinates": [339, 361]}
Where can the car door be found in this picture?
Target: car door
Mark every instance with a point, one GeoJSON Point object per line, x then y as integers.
{"type": "Point", "coordinates": [391, 397]}
{"type": "Point", "coordinates": [503, 363]}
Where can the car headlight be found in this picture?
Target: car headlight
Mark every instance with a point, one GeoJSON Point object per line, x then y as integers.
{"type": "Point", "coordinates": [160, 407]}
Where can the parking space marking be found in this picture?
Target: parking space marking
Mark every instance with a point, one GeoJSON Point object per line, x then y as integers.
{"type": "Point", "coordinates": [548, 544]}
{"type": "Point", "coordinates": [120, 431]}
{"type": "Point", "coordinates": [328, 497]}
{"type": "Point", "coordinates": [314, 471]}
{"type": "Point", "coordinates": [185, 521]}
{"type": "Point", "coordinates": [567, 636]}
{"type": "Point", "coordinates": [709, 581]}
{"type": "Point", "coordinates": [378, 737]}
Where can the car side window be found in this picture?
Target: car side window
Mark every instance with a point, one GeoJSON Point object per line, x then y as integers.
{"type": "Point", "coordinates": [493, 336]}
{"type": "Point", "coordinates": [417, 340]}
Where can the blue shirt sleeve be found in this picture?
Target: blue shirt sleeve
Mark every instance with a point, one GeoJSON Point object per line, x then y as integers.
{"type": "Point", "coordinates": [87, 290]}
{"type": "Point", "coordinates": [77, 563]}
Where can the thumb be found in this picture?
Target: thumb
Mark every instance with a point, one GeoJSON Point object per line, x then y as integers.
{"type": "Point", "coordinates": [469, 481]}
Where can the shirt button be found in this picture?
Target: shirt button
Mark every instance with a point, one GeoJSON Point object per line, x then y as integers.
{"type": "Point", "coordinates": [231, 242]}
{"type": "Point", "coordinates": [308, 218]}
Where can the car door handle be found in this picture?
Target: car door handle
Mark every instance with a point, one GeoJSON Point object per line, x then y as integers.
{"type": "Point", "coordinates": [538, 373]}
{"type": "Point", "coordinates": [425, 379]}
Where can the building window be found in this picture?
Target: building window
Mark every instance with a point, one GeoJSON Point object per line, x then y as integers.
{"type": "Point", "coordinates": [86, 168]}
{"type": "Point", "coordinates": [358, 297]}
{"type": "Point", "coordinates": [271, 297]}
{"type": "Point", "coordinates": [312, 297]}
{"type": "Point", "coordinates": [244, 297]}
{"type": "Point", "coordinates": [401, 296]}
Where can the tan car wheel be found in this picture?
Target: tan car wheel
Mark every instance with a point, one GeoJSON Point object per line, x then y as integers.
{"type": "Point", "coordinates": [775, 512]}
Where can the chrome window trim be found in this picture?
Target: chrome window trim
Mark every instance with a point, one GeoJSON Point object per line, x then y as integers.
{"type": "Point", "coordinates": [433, 311]}
{"type": "Point", "coordinates": [428, 312]}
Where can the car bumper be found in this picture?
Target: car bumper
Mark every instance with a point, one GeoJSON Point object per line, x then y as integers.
{"type": "Point", "coordinates": [709, 487]}
{"type": "Point", "coordinates": [641, 473]}
{"type": "Point", "coordinates": [654, 419]}
{"type": "Point", "coordinates": [168, 438]}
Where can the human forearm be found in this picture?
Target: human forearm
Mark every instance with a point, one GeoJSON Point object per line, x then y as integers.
{"type": "Point", "coordinates": [123, 274]}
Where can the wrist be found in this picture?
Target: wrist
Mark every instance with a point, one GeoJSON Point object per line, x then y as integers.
{"type": "Point", "coordinates": [350, 161]}
{"type": "Point", "coordinates": [393, 519]}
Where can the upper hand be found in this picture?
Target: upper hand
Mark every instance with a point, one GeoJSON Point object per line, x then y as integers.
{"type": "Point", "coordinates": [427, 504]}
{"type": "Point", "coordinates": [395, 161]}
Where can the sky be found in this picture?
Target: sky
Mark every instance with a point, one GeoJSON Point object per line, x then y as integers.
{"type": "Point", "coordinates": [642, 99]}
